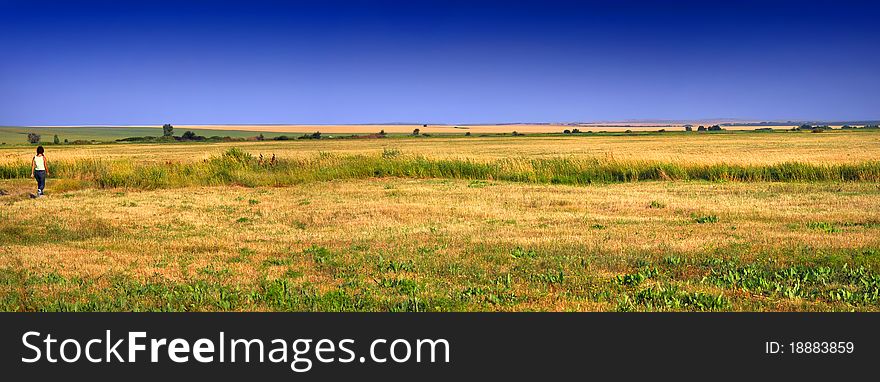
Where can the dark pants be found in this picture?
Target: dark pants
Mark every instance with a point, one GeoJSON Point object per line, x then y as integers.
{"type": "Point", "coordinates": [40, 175]}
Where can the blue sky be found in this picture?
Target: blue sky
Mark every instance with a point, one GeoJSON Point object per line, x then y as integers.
{"type": "Point", "coordinates": [188, 62]}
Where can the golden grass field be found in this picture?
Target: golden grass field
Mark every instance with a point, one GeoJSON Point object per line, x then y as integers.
{"type": "Point", "coordinates": [744, 148]}
{"type": "Point", "coordinates": [425, 244]}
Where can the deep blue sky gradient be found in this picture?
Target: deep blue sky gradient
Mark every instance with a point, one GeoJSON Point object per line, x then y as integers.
{"type": "Point", "coordinates": [257, 61]}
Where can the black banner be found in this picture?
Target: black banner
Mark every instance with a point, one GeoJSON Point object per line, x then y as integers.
{"type": "Point", "coordinates": [462, 345]}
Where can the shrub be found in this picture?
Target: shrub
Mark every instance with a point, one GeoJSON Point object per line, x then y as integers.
{"type": "Point", "coordinates": [417, 131]}
{"type": "Point", "coordinates": [701, 128]}
{"type": "Point", "coordinates": [190, 136]}
{"type": "Point", "coordinates": [135, 139]}
{"type": "Point", "coordinates": [33, 138]}
{"type": "Point", "coordinates": [315, 135]}
{"type": "Point", "coordinates": [566, 131]}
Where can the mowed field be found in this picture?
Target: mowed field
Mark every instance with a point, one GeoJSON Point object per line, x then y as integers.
{"type": "Point", "coordinates": [738, 147]}
{"type": "Point", "coordinates": [704, 222]}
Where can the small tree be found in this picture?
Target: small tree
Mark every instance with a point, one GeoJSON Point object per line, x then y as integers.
{"type": "Point", "coordinates": [467, 134]}
{"type": "Point", "coordinates": [260, 137]}
{"type": "Point", "coordinates": [65, 141]}
{"type": "Point", "coordinates": [575, 131]}
{"type": "Point", "coordinates": [188, 136]}
{"type": "Point", "coordinates": [316, 135]}
{"type": "Point", "coordinates": [382, 132]}
{"type": "Point", "coordinates": [701, 128]}
{"type": "Point", "coordinates": [167, 130]}
{"type": "Point", "coordinates": [566, 131]}
{"type": "Point", "coordinates": [55, 140]}
{"type": "Point", "coordinates": [33, 138]}
{"type": "Point", "coordinates": [417, 131]}
{"type": "Point", "coordinates": [688, 128]}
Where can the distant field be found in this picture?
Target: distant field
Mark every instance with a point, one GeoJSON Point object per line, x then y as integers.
{"type": "Point", "coordinates": [725, 147]}
{"type": "Point", "coordinates": [745, 221]}
{"type": "Point", "coordinates": [460, 129]}
{"type": "Point", "coordinates": [11, 135]}
{"type": "Point", "coordinates": [17, 135]}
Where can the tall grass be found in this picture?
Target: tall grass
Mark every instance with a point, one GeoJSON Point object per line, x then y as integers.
{"type": "Point", "coordinates": [236, 167]}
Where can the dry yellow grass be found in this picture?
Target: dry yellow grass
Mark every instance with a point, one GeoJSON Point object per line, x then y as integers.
{"type": "Point", "coordinates": [439, 244]}
{"type": "Point", "coordinates": [590, 233]}
{"type": "Point", "coordinates": [757, 148]}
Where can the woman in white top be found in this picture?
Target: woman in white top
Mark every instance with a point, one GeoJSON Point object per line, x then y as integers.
{"type": "Point", "coordinates": [40, 170]}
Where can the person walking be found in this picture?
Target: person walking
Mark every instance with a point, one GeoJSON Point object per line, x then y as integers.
{"type": "Point", "coordinates": [40, 170]}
